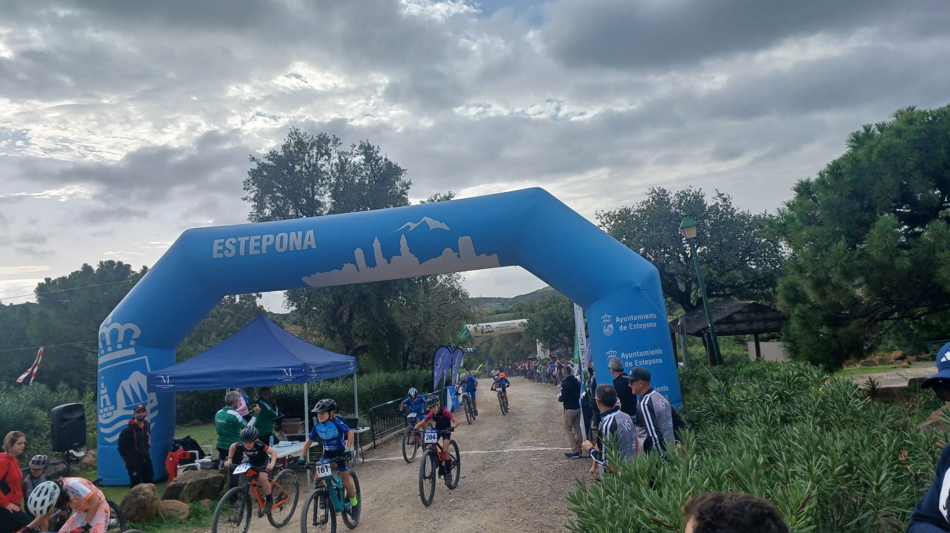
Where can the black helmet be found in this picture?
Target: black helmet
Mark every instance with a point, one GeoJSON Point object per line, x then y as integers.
{"type": "Point", "coordinates": [325, 405]}
{"type": "Point", "coordinates": [249, 434]}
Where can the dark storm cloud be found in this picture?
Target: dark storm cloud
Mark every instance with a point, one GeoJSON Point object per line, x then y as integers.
{"type": "Point", "coordinates": [659, 35]}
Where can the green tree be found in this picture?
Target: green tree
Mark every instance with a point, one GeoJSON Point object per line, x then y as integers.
{"type": "Point", "coordinates": [230, 315]}
{"type": "Point", "coordinates": [870, 241]}
{"type": "Point", "coordinates": [740, 258]}
{"type": "Point", "coordinates": [16, 348]}
{"type": "Point", "coordinates": [67, 320]}
{"type": "Point", "coordinates": [550, 320]}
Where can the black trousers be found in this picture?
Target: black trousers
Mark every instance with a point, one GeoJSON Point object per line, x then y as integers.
{"type": "Point", "coordinates": [140, 470]}
{"type": "Point", "coordinates": [10, 522]}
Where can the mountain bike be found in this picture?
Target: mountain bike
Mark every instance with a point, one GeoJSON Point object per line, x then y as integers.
{"type": "Point", "coordinates": [328, 499]}
{"type": "Point", "coordinates": [233, 514]}
{"type": "Point", "coordinates": [436, 460]}
{"type": "Point", "coordinates": [411, 438]}
{"type": "Point", "coordinates": [501, 401]}
{"type": "Point", "coordinates": [467, 406]}
{"type": "Point", "coordinates": [116, 518]}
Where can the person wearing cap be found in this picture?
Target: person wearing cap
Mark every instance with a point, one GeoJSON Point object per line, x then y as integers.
{"type": "Point", "coordinates": [654, 419]}
{"type": "Point", "coordinates": [628, 401]}
{"type": "Point", "coordinates": [614, 423]}
{"type": "Point", "coordinates": [134, 443]}
{"type": "Point", "coordinates": [931, 513]}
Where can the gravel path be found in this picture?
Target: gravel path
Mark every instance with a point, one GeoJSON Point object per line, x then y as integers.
{"type": "Point", "coordinates": [514, 474]}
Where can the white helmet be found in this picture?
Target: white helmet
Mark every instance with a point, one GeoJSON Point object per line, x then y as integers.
{"type": "Point", "coordinates": [43, 498]}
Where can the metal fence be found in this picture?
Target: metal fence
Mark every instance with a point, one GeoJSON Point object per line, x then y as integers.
{"type": "Point", "coordinates": [387, 418]}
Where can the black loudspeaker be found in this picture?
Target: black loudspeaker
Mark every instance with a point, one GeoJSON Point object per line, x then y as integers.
{"type": "Point", "coordinates": [68, 427]}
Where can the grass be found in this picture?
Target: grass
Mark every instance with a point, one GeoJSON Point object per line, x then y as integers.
{"type": "Point", "coordinates": [862, 370]}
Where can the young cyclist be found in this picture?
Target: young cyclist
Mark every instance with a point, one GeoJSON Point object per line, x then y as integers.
{"type": "Point", "coordinates": [89, 505]}
{"type": "Point", "coordinates": [256, 453]}
{"type": "Point", "coordinates": [503, 384]}
{"type": "Point", "coordinates": [413, 404]}
{"type": "Point", "coordinates": [443, 421]}
{"type": "Point", "coordinates": [337, 440]}
{"type": "Point", "coordinates": [468, 383]}
{"type": "Point", "coordinates": [36, 475]}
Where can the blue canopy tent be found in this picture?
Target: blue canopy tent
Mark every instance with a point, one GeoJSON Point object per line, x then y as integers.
{"type": "Point", "coordinates": [261, 353]}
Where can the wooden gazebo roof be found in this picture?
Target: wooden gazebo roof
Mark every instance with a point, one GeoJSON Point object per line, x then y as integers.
{"type": "Point", "coordinates": [732, 317]}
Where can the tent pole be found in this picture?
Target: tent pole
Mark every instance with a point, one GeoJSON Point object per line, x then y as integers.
{"type": "Point", "coordinates": [356, 402]}
{"type": "Point", "coordinates": [306, 408]}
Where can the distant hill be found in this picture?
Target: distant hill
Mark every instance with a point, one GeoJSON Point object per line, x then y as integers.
{"type": "Point", "coordinates": [500, 307]}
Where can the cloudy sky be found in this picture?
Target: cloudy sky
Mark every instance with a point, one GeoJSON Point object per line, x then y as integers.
{"type": "Point", "coordinates": [124, 123]}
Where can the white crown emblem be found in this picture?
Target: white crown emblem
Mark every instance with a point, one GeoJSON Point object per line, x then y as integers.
{"type": "Point", "coordinates": [607, 317]}
{"type": "Point", "coordinates": [117, 336]}
{"type": "Point", "coordinates": [611, 353]}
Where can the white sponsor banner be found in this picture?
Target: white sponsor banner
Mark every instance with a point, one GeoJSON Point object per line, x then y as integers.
{"type": "Point", "coordinates": [496, 328]}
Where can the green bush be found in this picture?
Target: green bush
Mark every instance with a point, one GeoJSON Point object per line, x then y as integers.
{"type": "Point", "coordinates": [374, 389]}
{"type": "Point", "coordinates": [26, 408]}
{"type": "Point", "coordinates": [830, 458]}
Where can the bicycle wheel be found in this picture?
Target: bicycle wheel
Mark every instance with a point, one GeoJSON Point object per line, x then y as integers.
{"type": "Point", "coordinates": [456, 469]}
{"type": "Point", "coordinates": [116, 518]}
{"type": "Point", "coordinates": [232, 517]}
{"type": "Point", "coordinates": [467, 407]}
{"type": "Point", "coordinates": [351, 515]}
{"type": "Point", "coordinates": [427, 472]}
{"type": "Point", "coordinates": [501, 403]}
{"type": "Point", "coordinates": [318, 513]}
{"type": "Point", "coordinates": [285, 492]}
{"type": "Point", "coordinates": [410, 444]}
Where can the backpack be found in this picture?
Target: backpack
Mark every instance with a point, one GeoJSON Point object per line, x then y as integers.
{"type": "Point", "coordinates": [187, 443]}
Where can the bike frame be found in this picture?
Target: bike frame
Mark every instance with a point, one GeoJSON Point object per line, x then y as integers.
{"type": "Point", "coordinates": [255, 491]}
{"type": "Point", "coordinates": [335, 487]}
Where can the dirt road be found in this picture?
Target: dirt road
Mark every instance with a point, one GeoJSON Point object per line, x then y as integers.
{"type": "Point", "coordinates": [514, 474]}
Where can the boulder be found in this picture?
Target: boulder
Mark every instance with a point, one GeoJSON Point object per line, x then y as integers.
{"type": "Point", "coordinates": [89, 461]}
{"type": "Point", "coordinates": [868, 362]}
{"type": "Point", "coordinates": [849, 363]}
{"type": "Point", "coordinates": [882, 360]}
{"type": "Point", "coordinates": [897, 356]}
{"type": "Point", "coordinates": [175, 509]}
{"type": "Point", "coordinates": [905, 364]}
{"type": "Point", "coordinates": [194, 485]}
{"type": "Point", "coordinates": [912, 358]}
{"type": "Point", "coordinates": [206, 503]}
{"type": "Point", "coordinates": [141, 504]}
{"type": "Point", "coordinates": [935, 420]}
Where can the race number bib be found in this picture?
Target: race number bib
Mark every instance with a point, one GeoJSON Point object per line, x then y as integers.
{"type": "Point", "coordinates": [323, 470]}
{"type": "Point", "coordinates": [241, 468]}
{"type": "Point", "coordinates": [432, 436]}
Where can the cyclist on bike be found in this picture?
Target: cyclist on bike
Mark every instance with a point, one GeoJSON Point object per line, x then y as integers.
{"type": "Point", "coordinates": [337, 440]}
{"type": "Point", "coordinates": [413, 404]}
{"type": "Point", "coordinates": [502, 384]}
{"type": "Point", "coordinates": [256, 453]}
{"type": "Point", "coordinates": [88, 503]}
{"type": "Point", "coordinates": [443, 421]}
{"type": "Point", "coordinates": [468, 383]}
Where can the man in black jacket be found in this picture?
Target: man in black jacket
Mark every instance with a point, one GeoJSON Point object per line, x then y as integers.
{"type": "Point", "coordinates": [628, 400]}
{"type": "Point", "coordinates": [134, 444]}
{"type": "Point", "coordinates": [570, 396]}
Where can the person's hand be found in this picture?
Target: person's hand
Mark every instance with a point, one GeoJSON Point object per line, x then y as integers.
{"type": "Point", "coordinates": [301, 461]}
{"type": "Point", "coordinates": [257, 409]}
{"type": "Point", "coordinates": [586, 446]}
{"type": "Point", "coordinates": [270, 468]}
{"type": "Point", "coordinates": [593, 470]}
{"type": "Point", "coordinates": [12, 507]}
{"type": "Point", "coordinates": [227, 463]}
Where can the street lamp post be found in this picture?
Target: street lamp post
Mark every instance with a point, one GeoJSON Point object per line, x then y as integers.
{"type": "Point", "coordinates": [688, 229]}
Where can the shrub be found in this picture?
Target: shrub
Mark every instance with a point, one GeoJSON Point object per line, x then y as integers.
{"type": "Point", "coordinates": [26, 408]}
{"type": "Point", "coordinates": [830, 458]}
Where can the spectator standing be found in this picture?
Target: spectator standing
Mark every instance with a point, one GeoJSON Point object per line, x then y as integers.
{"type": "Point", "coordinates": [135, 441]}
{"type": "Point", "coordinates": [570, 398]}
{"type": "Point", "coordinates": [614, 423]}
{"type": "Point", "coordinates": [654, 414]}
{"type": "Point", "coordinates": [12, 515]}
{"type": "Point", "coordinates": [731, 512]}
{"type": "Point", "coordinates": [241, 406]}
{"type": "Point", "coordinates": [267, 415]}
{"type": "Point", "coordinates": [931, 513]}
{"type": "Point", "coordinates": [590, 412]}
{"type": "Point", "coordinates": [628, 401]}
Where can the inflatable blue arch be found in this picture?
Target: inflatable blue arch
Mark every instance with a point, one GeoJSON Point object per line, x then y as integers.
{"type": "Point", "coordinates": [619, 290]}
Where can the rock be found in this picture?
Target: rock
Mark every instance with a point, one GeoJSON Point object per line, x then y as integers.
{"type": "Point", "coordinates": [89, 461]}
{"type": "Point", "coordinates": [175, 509]}
{"type": "Point", "coordinates": [905, 364]}
{"type": "Point", "coordinates": [897, 356]}
{"type": "Point", "coordinates": [194, 485]}
{"type": "Point", "coordinates": [849, 363]}
{"type": "Point", "coordinates": [193, 423]}
{"type": "Point", "coordinates": [912, 358]}
{"type": "Point", "coordinates": [141, 504]}
{"type": "Point", "coordinates": [935, 420]}
{"type": "Point", "coordinates": [882, 360]}
{"type": "Point", "coordinates": [868, 362]}
{"type": "Point", "coordinates": [206, 503]}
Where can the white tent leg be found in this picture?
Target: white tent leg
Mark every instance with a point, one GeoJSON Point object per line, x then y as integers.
{"type": "Point", "coordinates": [306, 408]}
{"type": "Point", "coordinates": [356, 402]}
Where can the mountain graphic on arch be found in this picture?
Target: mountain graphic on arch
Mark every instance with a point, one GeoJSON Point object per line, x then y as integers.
{"type": "Point", "coordinates": [405, 264]}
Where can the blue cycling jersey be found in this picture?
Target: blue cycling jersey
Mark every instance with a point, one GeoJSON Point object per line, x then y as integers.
{"type": "Point", "coordinates": [417, 406]}
{"type": "Point", "coordinates": [502, 384]}
{"type": "Point", "coordinates": [332, 433]}
{"type": "Point", "coordinates": [468, 384]}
